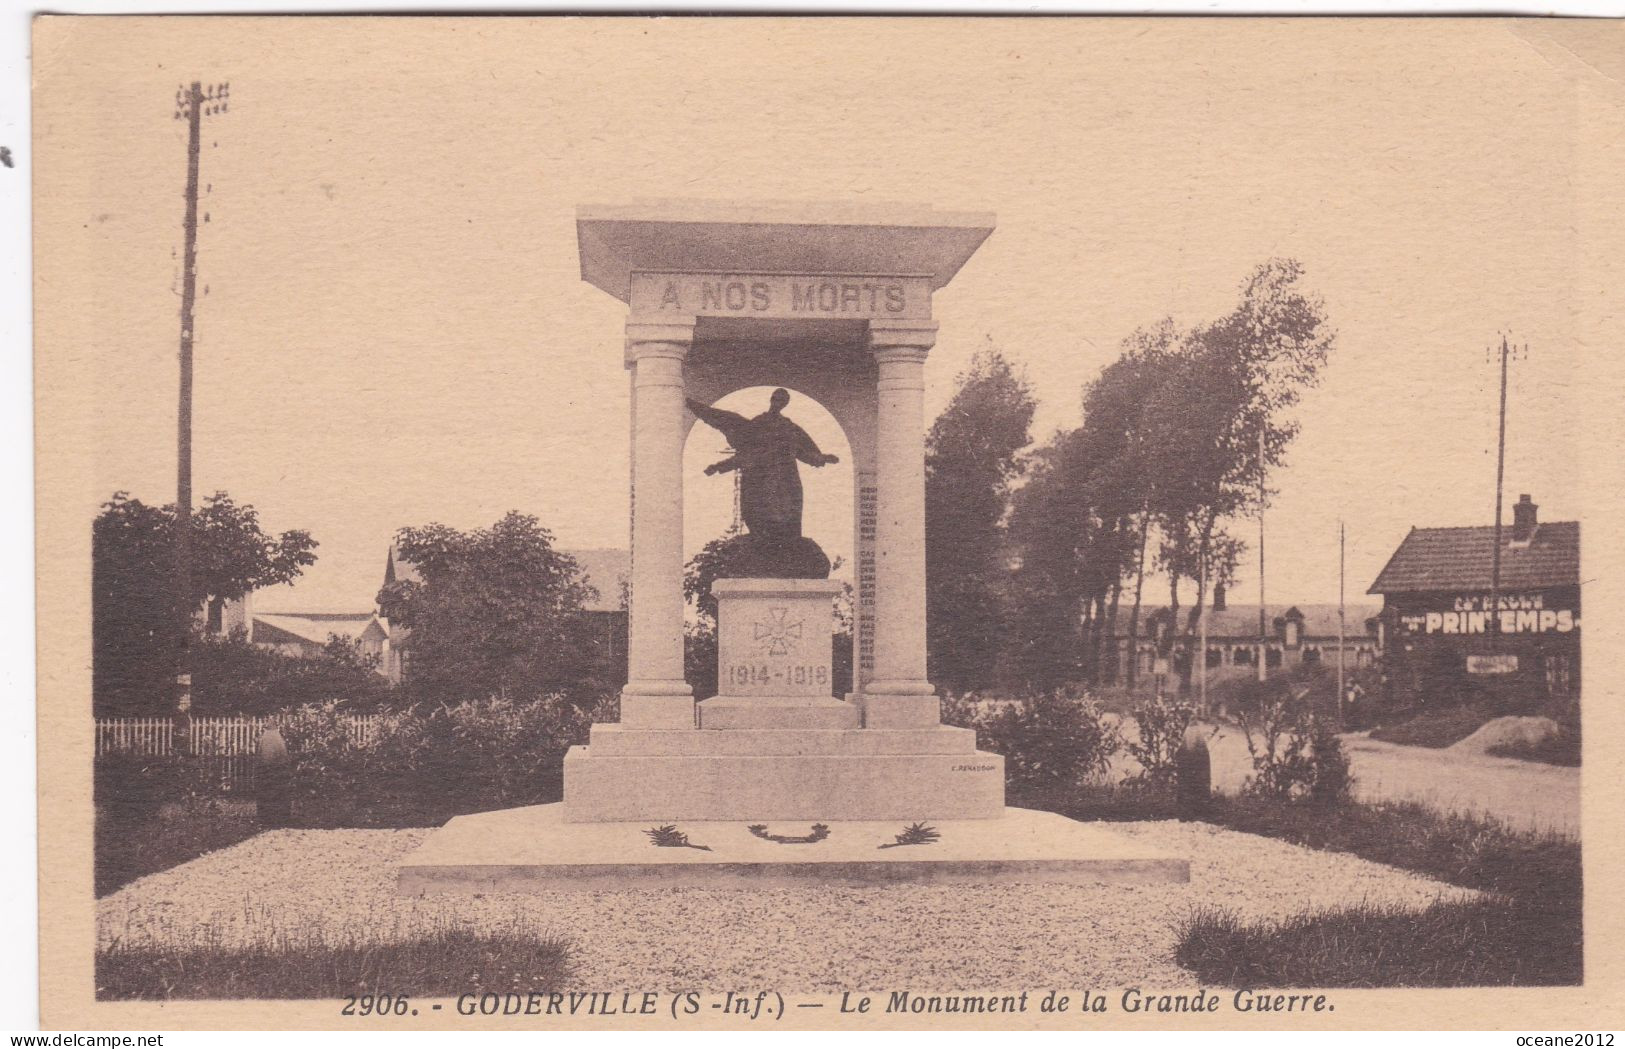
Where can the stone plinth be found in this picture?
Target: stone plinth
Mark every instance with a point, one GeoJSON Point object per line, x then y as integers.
{"type": "Point", "coordinates": [535, 849]}
{"type": "Point", "coordinates": [775, 745]}
{"type": "Point", "coordinates": [775, 648]}
{"type": "Point", "coordinates": [830, 785]}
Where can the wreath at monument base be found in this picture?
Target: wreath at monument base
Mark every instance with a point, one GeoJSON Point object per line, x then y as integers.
{"type": "Point", "coordinates": [915, 834]}
{"type": "Point", "coordinates": [669, 837]}
{"type": "Point", "coordinates": [819, 833]}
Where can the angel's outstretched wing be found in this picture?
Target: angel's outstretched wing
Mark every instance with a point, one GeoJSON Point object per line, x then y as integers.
{"type": "Point", "coordinates": [731, 424]}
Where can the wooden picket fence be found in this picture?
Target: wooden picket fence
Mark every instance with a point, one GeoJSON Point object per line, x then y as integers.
{"type": "Point", "coordinates": [226, 744]}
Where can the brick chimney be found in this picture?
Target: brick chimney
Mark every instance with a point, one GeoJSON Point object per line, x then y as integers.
{"type": "Point", "coordinates": [1218, 597]}
{"type": "Point", "coordinates": [1523, 519]}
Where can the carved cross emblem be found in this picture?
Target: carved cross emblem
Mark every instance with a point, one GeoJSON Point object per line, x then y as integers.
{"type": "Point", "coordinates": [779, 634]}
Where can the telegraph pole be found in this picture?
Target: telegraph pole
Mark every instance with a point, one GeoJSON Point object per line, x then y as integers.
{"type": "Point", "coordinates": [1205, 612]}
{"type": "Point", "coordinates": [1342, 626]}
{"type": "Point", "coordinates": [1500, 469]}
{"type": "Point", "coordinates": [191, 105]}
{"type": "Point", "coordinates": [1263, 630]}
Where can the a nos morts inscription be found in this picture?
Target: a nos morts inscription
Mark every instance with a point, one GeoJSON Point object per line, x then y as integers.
{"type": "Point", "coordinates": [780, 295]}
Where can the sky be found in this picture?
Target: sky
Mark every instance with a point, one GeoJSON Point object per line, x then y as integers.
{"type": "Point", "coordinates": [395, 330]}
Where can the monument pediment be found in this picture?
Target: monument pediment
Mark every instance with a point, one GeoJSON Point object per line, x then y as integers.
{"type": "Point", "coordinates": [808, 239]}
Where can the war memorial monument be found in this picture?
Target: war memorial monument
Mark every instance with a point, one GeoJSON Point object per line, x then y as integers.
{"type": "Point", "coordinates": [775, 780]}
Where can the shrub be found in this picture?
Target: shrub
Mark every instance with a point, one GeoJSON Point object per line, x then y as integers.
{"type": "Point", "coordinates": [1161, 725]}
{"type": "Point", "coordinates": [132, 846]}
{"type": "Point", "coordinates": [137, 786]}
{"type": "Point", "coordinates": [1294, 753]}
{"type": "Point", "coordinates": [1050, 741]}
{"type": "Point", "coordinates": [422, 765]}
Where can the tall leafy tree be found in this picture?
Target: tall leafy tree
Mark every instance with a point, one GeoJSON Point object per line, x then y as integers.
{"type": "Point", "coordinates": [134, 617]}
{"type": "Point", "coordinates": [973, 455]}
{"type": "Point", "coordinates": [1223, 420]}
{"type": "Point", "coordinates": [1117, 465]}
{"type": "Point", "coordinates": [495, 611]}
{"type": "Point", "coordinates": [1050, 528]}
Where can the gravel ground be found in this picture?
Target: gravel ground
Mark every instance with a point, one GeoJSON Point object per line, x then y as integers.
{"type": "Point", "coordinates": [289, 886]}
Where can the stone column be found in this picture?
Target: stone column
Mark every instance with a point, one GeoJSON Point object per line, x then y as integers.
{"type": "Point", "coordinates": [656, 695]}
{"type": "Point", "coordinates": [899, 696]}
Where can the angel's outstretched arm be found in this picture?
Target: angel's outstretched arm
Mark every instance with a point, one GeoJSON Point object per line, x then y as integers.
{"type": "Point", "coordinates": [807, 450]}
{"type": "Point", "coordinates": [731, 424]}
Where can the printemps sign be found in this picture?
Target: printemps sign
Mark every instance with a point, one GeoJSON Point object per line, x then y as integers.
{"type": "Point", "coordinates": [1470, 614]}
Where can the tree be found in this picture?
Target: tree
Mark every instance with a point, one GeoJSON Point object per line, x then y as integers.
{"type": "Point", "coordinates": [1081, 523]}
{"type": "Point", "coordinates": [973, 456]}
{"type": "Point", "coordinates": [133, 611]}
{"type": "Point", "coordinates": [1222, 419]}
{"type": "Point", "coordinates": [496, 612]}
{"type": "Point", "coordinates": [1049, 531]}
{"type": "Point", "coordinates": [1116, 465]}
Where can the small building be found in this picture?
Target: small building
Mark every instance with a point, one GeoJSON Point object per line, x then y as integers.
{"type": "Point", "coordinates": [305, 634]}
{"type": "Point", "coordinates": [1440, 642]}
{"type": "Point", "coordinates": [1298, 635]}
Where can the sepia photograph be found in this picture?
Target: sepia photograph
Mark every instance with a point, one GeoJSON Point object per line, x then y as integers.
{"type": "Point", "coordinates": [873, 523]}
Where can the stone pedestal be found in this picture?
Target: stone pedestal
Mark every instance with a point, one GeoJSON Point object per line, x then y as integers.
{"type": "Point", "coordinates": [775, 650]}
{"type": "Point", "coordinates": [774, 743]}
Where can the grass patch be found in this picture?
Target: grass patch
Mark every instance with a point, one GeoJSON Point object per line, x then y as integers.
{"type": "Point", "coordinates": [1478, 943]}
{"type": "Point", "coordinates": [441, 963]}
{"type": "Point", "coordinates": [1561, 749]}
{"type": "Point", "coordinates": [1527, 930]}
{"type": "Point", "coordinates": [1464, 850]}
{"type": "Point", "coordinates": [1436, 730]}
{"type": "Point", "coordinates": [132, 846]}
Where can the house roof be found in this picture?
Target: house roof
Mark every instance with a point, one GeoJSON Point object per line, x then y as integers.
{"type": "Point", "coordinates": [1241, 621]}
{"type": "Point", "coordinates": [314, 627]}
{"type": "Point", "coordinates": [1463, 559]}
{"type": "Point", "coordinates": [606, 569]}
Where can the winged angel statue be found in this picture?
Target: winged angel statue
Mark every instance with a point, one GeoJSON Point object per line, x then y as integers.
{"type": "Point", "coordinates": [767, 452]}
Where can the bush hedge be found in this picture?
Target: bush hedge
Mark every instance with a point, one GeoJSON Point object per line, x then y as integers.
{"type": "Point", "coordinates": [423, 765]}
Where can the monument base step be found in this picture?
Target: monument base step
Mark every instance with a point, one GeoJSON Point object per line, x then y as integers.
{"type": "Point", "coordinates": [778, 712]}
{"type": "Point", "coordinates": [535, 849]}
{"type": "Point", "coordinates": [724, 786]}
{"type": "Point", "coordinates": [612, 740]}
